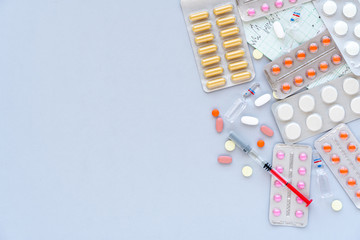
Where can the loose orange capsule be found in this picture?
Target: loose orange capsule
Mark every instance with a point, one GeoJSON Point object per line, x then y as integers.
{"type": "Point", "coordinates": [358, 194]}
{"type": "Point", "coordinates": [298, 81]}
{"type": "Point", "coordinates": [285, 88]}
{"type": "Point", "coordinates": [313, 47]}
{"type": "Point", "coordinates": [323, 66]}
{"type": "Point", "coordinates": [351, 147]}
{"type": "Point", "coordinates": [358, 158]}
{"type": "Point", "coordinates": [351, 182]}
{"type": "Point", "coordinates": [215, 112]}
{"type": "Point", "coordinates": [343, 135]}
{"type": "Point", "coordinates": [288, 62]}
{"type": "Point", "coordinates": [336, 59]}
{"type": "Point", "coordinates": [343, 171]}
{"type": "Point", "coordinates": [327, 147]}
{"type": "Point", "coordinates": [261, 143]}
{"type": "Point", "coordinates": [335, 159]}
{"type": "Point", "coordinates": [311, 73]}
{"type": "Point", "coordinates": [325, 40]}
{"type": "Point", "coordinates": [275, 70]}
{"type": "Point", "coordinates": [300, 55]}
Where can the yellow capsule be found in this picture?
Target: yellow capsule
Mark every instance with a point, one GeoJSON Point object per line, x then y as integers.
{"type": "Point", "coordinates": [209, 61]}
{"type": "Point", "coordinates": [207, 49]}
{"type": "Point", "coordinates": [225, 21]}
{"type": "Point", "coordinates": [223, 9]}
{"type": "Point", "coordinates": [234, 54]}
{"type": "Point", "coordinates": [201, 27]}
{"type": "Point", "coordinates": [213, 72]}
{"type": "Point", "coordinates": [232, 43]}
{"type": "Point", "coordinates": [229, 32]}
{"type": "Point", "coordinates": [199, 16]}
{"type": "Point", "coordinates": [238, 65]}
{"type": "Point", "coordinates": [204, 38]}
{"type": "Point", "coordinates": [216, 83]}
{"type": "Point", "coordinates": [239, 77]}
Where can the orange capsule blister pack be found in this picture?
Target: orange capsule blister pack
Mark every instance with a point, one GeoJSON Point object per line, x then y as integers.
{"type": "Point", "coordinates": [340, 150]}
{"type": "Point", "coordinates": [297, 69]}
{"type": "Point", "coordinates": [219, 44]}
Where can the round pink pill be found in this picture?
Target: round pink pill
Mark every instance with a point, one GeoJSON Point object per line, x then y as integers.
{"type": "Point", "coordinates": [265, 7]}
{"type": "Point", "coordinates": [279, 169]}
{"type": "Point", "coordinates": [302, 171]}
{"type": "Point", "coordinates": [277, 183]}
{"type": "Point", "coordinates": [292, 1]}
{"type": "Point", "coordinates": [299, 213]}
{"type": "Point", "coordinates": [299, 200]}
{"type": "Point", "coordinates": [301, 185]}
{"type": "Point", "coordinates": [280, 155]}
{"type": "Point", "coordinates": [276, 212]}
{"type": "Point", "coordinates": [279, 3]}
{"type": "Point", "coordinates": [303, 156]}
{"type": "Point", "coordinates": [251, 11]}
{"type": "Point", "coordinates": [277, 197]}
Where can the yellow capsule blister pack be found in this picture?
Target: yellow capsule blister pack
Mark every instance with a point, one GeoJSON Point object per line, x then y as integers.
{"type": "Point", "coordinates": [219, 44]}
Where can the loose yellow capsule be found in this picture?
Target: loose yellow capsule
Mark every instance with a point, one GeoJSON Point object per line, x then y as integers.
{"type": "Point", "coordinates": [201, 27]}
{"type": "Point", "coordinates": [232, 43]}
{"type": "Point", "coordinates": [209, 61]}
{"type": "Point", "coordinates": [207, 49]}
{"type": "Point", "coordinates": [199, 16]}
{"type": "Point", "coordinates": [225, 21]}
{"type": "Point", "coordinates": [223, 9]}
{"type": "Point", "coordinates": [213, 72]}
{"type": "Point", "coordinates": [238, 65]}
{"type": "Point", "coordinates": [238, 77]}
{"type": "Point", "coordinates": [229, 32]}
{"type": "Point", "coordinates": [204, 38]}
{"type": "Point", "coordinates": [234, 54]}
{"type": "Point", "coordinates": [216, 83]}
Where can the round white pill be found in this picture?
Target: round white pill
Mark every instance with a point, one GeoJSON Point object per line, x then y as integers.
{"type": "Point", "coordinates": [307, 103]}
{"type": "Point", "coordinates": [314, 122]}
{"type": "Point", "coordinates": [293, 131]}
{"type": "Point", "coordinates": [285, 112]}
{"type": "Point", "coordinates": [349, 10]}
{"type": "Point", "coordinates": [341, 28]}
{"type": "Point", "coordinates": [351, 86]}
{"type": "Point", "coordinates": [329, 94]}
{"type": "Point", "coordinates": [247, 171]}
{"type": "Point", "coordinates": [229, 145]}
{"type": "Point", "coordinates": [336, 205]}
{"type": "Point", "coordinates": [329, 8]}
{"type": "Point", "coordinates": [352, 48]}
{"type": "Point", "coordinates": [248, 120]}
{"type": "Point", "coordinates": [355, 105]}
{"type": "Point", "coordinates": [357, 30]}
{"type": "Point", "coordinates": [337, 113]}
{"type": "Point", "coordinates": [262, 100]}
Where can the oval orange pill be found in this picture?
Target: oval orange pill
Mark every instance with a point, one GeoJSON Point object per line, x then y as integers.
{"type": "Point", "coordinates": [343, 135]}
{"type": "Point", "coordinates": [313, 47]}
{"type": "Point", "coordinates": [327, 147]}
{"type": "Point", "coordinates": [300, 55]}
{"type": "Point", "coordinates": [219, 124]}
{"type": "Point", "coordinates": [267, 131]}
{"type": "Point", "coordinates": [323, 66]}
{"type": "Point", "coordinates": [325, 40]}
{"type": "Point", "coordinates": [351, 182]}
{"type": "Point", "coordinates": [311, 73]}
{"type": "Point", "coordinates": [285, 88]}
{"type": "Point", "coordinates": [335, 159]}
{"type": "Point", "coordinates": [351, 147]}
{"type": "Point", "coordinates": [275, 69]}
{"type": "Point", "coordinates": [298, 81]}
{"type": "Point", "coordinates": [260, 143]}
{"type": "Point", "coordinates": [336, 59]}
{"type": "Point", "coordinates": [343, 171]}
{"type": "Point", "coordinates": [225, 159]}
{"type": "Point", "coordinates": [215, 112]}
{"type": "Point", "coordinates": [288, 62]}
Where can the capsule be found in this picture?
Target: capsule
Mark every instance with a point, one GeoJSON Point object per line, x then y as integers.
{"type": "Point", "coordinates": [238, 65]}
{"type": "Point", "coordinates": [199, 16]}
{"type": "Point", "coordinates": [204, 38]}
{"type": "Point", "coordinates": [325, 40]}
{"type": "Point", "coordinates": [300, 55]}
{"type": "Point", "coordinates": [207, 49]}
{"type": "Point", "coordinates": [201, 27]}
{"type": "Point", "coordinates": [216, 83]}
{"type": "Point", "coordinates": [313, 47]}
{"type": "Point", "coordinates": [288, 62]}
{"type": "Point", "coordinates": [285, 88]}
{"type": "Point", "coordinates": [225, 21]}
{"type": "Point", "coordinates": [229, 32]}
{"type": "Point", "coordinates": [298, 81]}
{"type": "Point", "coordinates": [323, 66]}
{"type": "Point", "coordinates": [311, 73]}
{"type": "Point", "coordinates": [234, 54]}
{"type": "Point", "coordinates": [240, 77]}
{"type": "Point", "coordinates": [336, 59]}
{"type": "Point", "coordinates": [232, 43]}
{"type": "Point", "coordinates": [213, 72]}
{"type": "Point", "coordinates": [223, 9]}
{"type": "Point", "coordinates": [275, 69]}
{"type": "Point", "coordinates": [210, 60]}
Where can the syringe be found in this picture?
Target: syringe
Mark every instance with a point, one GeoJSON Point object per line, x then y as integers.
{"type": "Point", "coordinates": [267, 166]}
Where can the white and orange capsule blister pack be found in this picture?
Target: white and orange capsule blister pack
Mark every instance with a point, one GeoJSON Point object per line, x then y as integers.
{"type": "Point", "coordinates": [219, 44]}
{"type": "Point", "coordinates": [294, 163]}
{"type": "Point", "coordinates": [300, 67]}
{"type": "Point", "coordinates": [339, 148]}
{"type": "Point", "coordinates": [342, 18]}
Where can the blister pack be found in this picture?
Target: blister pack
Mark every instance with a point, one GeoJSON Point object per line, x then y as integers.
{"type": "Point", "coordinates": [319, 109]}
{"type": "Point", "coordinates": [342, 18]}
{"type": "Point", "coordinates": [340, 150]}
{"type": "Point", "coordinates": [219, 44]}
{"type": "Point", "coordinates": [253, 9]}
{"type": "Point", "coordinates": [300, 67]}
{"type": "Point", "coordinates": [294, 163]}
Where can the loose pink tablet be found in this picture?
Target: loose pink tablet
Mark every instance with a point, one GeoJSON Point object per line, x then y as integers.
{"type": "Point", "coordinates": [225, 159]}
{"type": "Point", "coordinates": [267, 131]}
{"type": "Point", "coordinates": [219, 124]}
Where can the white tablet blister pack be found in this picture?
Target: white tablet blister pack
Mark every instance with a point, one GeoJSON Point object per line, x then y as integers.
{"type": "Point", "coordinates": [294, 163]}
{"type": "Point", "coordinates": [303, 65]}
{"type": "Point", "coordinates": [253, 9]}
{"type": "Point", "coordinates": [340, 150]}
{"type": "Point", "coordinates": [219, 44]}
{"type": "Point", "coordinates": [342, 18]}
{"type": "Point", "coordinates": [319, 109]}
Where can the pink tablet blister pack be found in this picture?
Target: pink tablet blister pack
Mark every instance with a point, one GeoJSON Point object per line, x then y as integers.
{"type": "Point", "coordinates": [339, 149]}
{"type": "Point", "coordinates": [294, 163]}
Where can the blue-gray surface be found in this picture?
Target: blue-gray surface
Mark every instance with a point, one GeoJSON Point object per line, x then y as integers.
{"type": "Point", "coordinates": [106, 134]}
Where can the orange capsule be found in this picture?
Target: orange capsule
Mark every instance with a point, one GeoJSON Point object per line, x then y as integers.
{"type": "Point", "coordinates": [343, 171]}
{"type": "Point", "coordinates": [275, 69]}
{"type": "Point", "coordinates": [327, 147]}
{"type": "Point", "coordinates": [325, 40]}
{"type": "Point", "coordinates": [285, 88]}
{"type": "Point", "coordinates": [351, 182]}
{"type": "Point", "coordinates": [357, 158]}
{"type": "Point", "coordinates": [288, 62]}
{"type": "Point", "coordinates": [310, 73]}
{"type": "Point", "coordinates": [343, 135]}
{"type": "Point", "coordinates": [336, 59]}
{"type": "Point", "coordinates": [357, 194]}
{"type": "Point", "coordinates": [313, 47]}
{"type": "Point", "coordinates": [351, 147]}
{"type": "Point", "coordinates": [298, 81]}
{"type": "Point", "coordinates": [300, 55]}
{"type": "Point", "coordinates": [335, 159]}
{"type": "Point", "coordinates": [323, 66]}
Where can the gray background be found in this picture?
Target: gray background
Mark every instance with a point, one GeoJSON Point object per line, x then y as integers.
{"type": "Point", "coordinates": [106, 133]}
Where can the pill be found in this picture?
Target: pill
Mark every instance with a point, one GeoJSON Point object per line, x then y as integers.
{"type": "Point", "coordinates": [323, 66]}
{"type": "Point", "coordinates": [357, 194]}
{"type": "Point", "coordinates": [210, 61]}
{"type": "Point", "coordinates": [275, 69]}
{"type": "Point", "coordinates": [232, 43]}
{"type": "Point", "coordinates": [307, 103]}
{"type": "Point", "coordinates": [225, 159]}
{"type": "Point", "coordinates": [285, 87]}
{"type": "Point", "coordinates": [230, 145]}
{"type": "Point", "coordinates": [300, 55]}
{"type": "Point", "coordinates": [343, 171]}
{"type": "Point", "coordinates": [351, 147]}
{"type": "Point", "coordinates": [351, 86]}
{"type": "Point", "coordinates": [204, 38]}
{"type": "Point", "coordinates": [336, 205]}
{"type": "Point", "coordinates": [262, 100]}
{"type": "Point", "coordinates": [279, 3]}
{"type": "Point", "coordinates": [285, 112]}
{"type": "Point", "coordinates": [223, 9]}
{"type": "Point", "coordinates": [299, 214]}
{"type": "Point", "coordinates": [299, 200]}
{"type": "Point", "coordinates": [234, 54]}
{"type": "Point", "coordinates": [265, 7]}
{"type": "Point", "coordinates": [349, 10]}
{"type": "Point", "coordinates": [314, 122]}
{"type": "Point", "coordinates": [341, 28]}
{"type": "Point", "coordinates": [335, 159]}
{"type": "Point", "coordinates": [207, 49]}
{"type": "Point", "coordinates": [279, 169]}
{"type": "Point", "coordinates": [352, 48]}
{"type": "Point", "coordinates": [313, 48]}
{"type": "Point", "coordinates": [301, 185]}
{"type": "Point", "coordinates": [229, 32]}
{"type": "Point", "coordinates": [242, 76]}
{"type": "Point", "coordinates": [298, 81]}
{"type": "Point", "coordinates": [288, 62]}
{"type": "Point", "coordinates": [215, 113]}
{"type": "Point", "coordinates": [280, 155]}
{"type": "Point", "coordinates": [343, 135]}
{"type": "Point", "coordinates": [357, 30]}
{"type": "Point", "coordinates": [277, 183]}
{"type": "Point", "coordinates": [325, 40]}
{"type": "Point", "coordinates": [329, 8]}
{"type": "Point", "coordinates": [303, 156]}
{"type": "Point", "coordinates": [199, 16]}
{"type": "Point", "coordinates": [337, 113]}
{"type": "Point", "coordinates": [277, 198]}
{"type": "Point", "coordinates": [216, 83]}
{"type": "Point", "coordinates": [357, 158]}
{"type": "Point", "coordinates": [267, 131]}
{"type": "Point", "coordinates": [257, 54]}
{"type": "Point", "coordinates": [238, 65]}
{"type": "Point", "coordinates": [219, 125]}
{"type": "Point", "coordinates": [302, 171]}
{"type": "Point", "coordinates": [225, 21]}
{"type": "Point", "coordinates": [351, 182]}
{"type": "Point", "coordinates": [336, 59]}
{"type": "Point", "coordinates": [292, 131]}
{"type": "Point", "coordinates": [276, 212]}
{"type": "Point", "coordinates": [251, 12]}
{"type": "Point", "coordinates": [248, 120]}
{"type": "Point", "coordinates": [247, 171]}
{"type": "Point", "coordinates": [355, 105]}
{"type": "Point", "coordinates": [279, 30]}
{"type": "Point", "coordinates": [201, 27]}
{"type": "Point", "coordinates": [213, 72]}
{"type": "Point", "coordinates": [310, 73]}
{"type": "Point", "coordinates": [260, 143]}
{"type": "Point", "coordinates": [329, 94]}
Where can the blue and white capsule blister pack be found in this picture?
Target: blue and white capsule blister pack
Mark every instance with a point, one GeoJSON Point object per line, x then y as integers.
{"type": "Point", "coordinates": [339, 149]}
{"type": "Point", "coordinates": [294, 163]}
{"type": "Point", "coordinates": [342, 18]}
{"type": "Point", "coordinates": [219, 44]}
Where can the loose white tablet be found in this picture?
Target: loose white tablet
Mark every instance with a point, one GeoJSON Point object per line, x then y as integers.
{"type": "Point", "coordinates": [329, 94]}
{"type": "Point", "coordinates": [337, 113]}
{"type": "Point", "coordinates": [285, 112]}
{"type": "Point", "coordinates": [341, 28]}
{"type": "Point", "coordinates": [307, 103]}
{"type": "Point", "coordinates": [351, 86]}
{"type": "Point", "coordinates": [329, 8]}
{"type": "Point", "coordinates": [314, 122]}
{"type": "Point", "coordinates": [355, 105]}
{"type": "Point", "coordinates": [357, 30]}
{"type": "Point", "coordinates": [262, 100]}
{"type": "Point", "coordinates": [248, 120]}
{"type": "Point", "coordinates": [349, 10]}
{"type": "Point", "coordinates": [336, 205]}
{"type": "Point", "coordinates": [352, 48]}
{"type": "Point", "coordinates": [293, 131]}
{"type": "Point", "coordinates": [279, 30]}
